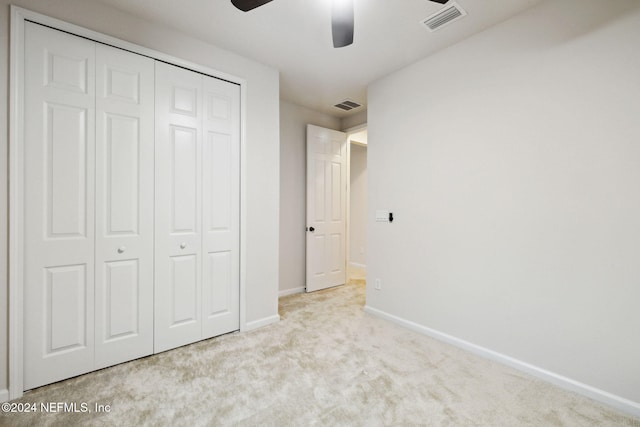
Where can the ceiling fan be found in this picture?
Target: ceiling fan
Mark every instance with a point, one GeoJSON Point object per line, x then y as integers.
{"type": "Point", "coordinates": [341, 17]}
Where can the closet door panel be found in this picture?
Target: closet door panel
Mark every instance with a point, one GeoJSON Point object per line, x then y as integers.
{"type": "Point", "coordinates": [184, 280]}
{"type": "Point", "coordinates": [178, 207]}
{"type": "Point", "coordinates": [124, 205]}
{"type": "Point", "coordinates": [184, 148]}
{"type": "Point", "coordinates": [59, 142]}
{"type": "Point", "coordinates": [221, 207]}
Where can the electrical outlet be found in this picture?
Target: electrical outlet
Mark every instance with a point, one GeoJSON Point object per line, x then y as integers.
{"type": "Point", "coordinates": [378, 284]}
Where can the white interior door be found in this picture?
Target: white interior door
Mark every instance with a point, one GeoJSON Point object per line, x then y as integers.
{"type": "Point", "coordinates": [112, 140]}
{"type": "Point", "coordinates": [326, 207]}
{"type": "Point", "coordinates": [197, 207]}
{"type": "Point", "coordinates": [124, 206]}
{"type": "Point", "coordinates": [221, 207]}
{"type": "Point", "coordinates": [178, 207]}
{"type": "Point", "coordinates": [58, 205]}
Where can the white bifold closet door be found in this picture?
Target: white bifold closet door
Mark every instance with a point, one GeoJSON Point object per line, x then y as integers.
{"type": "Point", "coordinates": [196, 206]}
{"type": "Point", "coordinates": [88, 203]}
{"type": "Point", "coordinates": [124, 206]}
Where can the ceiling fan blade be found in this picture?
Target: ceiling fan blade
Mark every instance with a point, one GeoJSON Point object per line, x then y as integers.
{"type": "Point", "coordinates": [247, 5]}
{"type": "Point", "coordinates": [439, 1]}
{"type": "Point", "coordinates": [342, 22]}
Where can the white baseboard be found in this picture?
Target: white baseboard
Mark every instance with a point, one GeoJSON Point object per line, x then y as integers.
{"type": "Point", "coordinates": [4, 395]}
{"type": "Point", "coordinates": [625, 405]}
{"type": "Point", "coordinates": [287, 292]}
{"type": "Point", "coordinates": [261, 322]}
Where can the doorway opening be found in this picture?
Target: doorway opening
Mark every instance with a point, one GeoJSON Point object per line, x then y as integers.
{"type": "Point", "coordinates": [336, 207]}
{"type": "Point", "coordinates": [357, 204]}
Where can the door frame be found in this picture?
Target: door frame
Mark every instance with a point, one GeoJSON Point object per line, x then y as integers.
{"type": "Point", "coordinates": [16, 168]}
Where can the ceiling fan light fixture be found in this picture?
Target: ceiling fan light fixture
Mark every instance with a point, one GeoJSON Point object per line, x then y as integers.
{"type": "Point", "coordinates": [342, 22]}
{"type": "Point", "coordinates": [341, 18]}
{"type": "Point", "coordinates": [247, 5]}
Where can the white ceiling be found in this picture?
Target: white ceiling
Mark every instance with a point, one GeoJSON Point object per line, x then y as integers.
{"type": "Point", "coordinates": [294, 36]}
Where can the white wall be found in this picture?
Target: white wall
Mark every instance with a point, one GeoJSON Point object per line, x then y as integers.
{"type": "Point", "coordinates": [353, 120]}
{"type": "Point", "coordinates": [512, 164]}
{"type": "Point", "coordinates": [262, 141]}
{"type": "Point", "coordinates": [293, 190]}
{"type": "Point", "coordinates": [358, 206]}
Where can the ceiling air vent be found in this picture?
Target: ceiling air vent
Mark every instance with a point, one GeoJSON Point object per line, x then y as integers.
{"type": "Point", "coordinates": [347, 105]}
{"type": "Point", "coordinates": [448, 14]}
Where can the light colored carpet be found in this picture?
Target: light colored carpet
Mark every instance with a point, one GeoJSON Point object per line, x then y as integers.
{"type": "Point", "coordinates": [326, 363]}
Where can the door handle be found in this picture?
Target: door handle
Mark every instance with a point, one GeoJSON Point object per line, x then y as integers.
{"type": "Point", "coordinates": [183, 245]}
{"type": "Point", "coordinates": [121, 249]}
{"type": "Point", "coordinates": [311, 229]}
